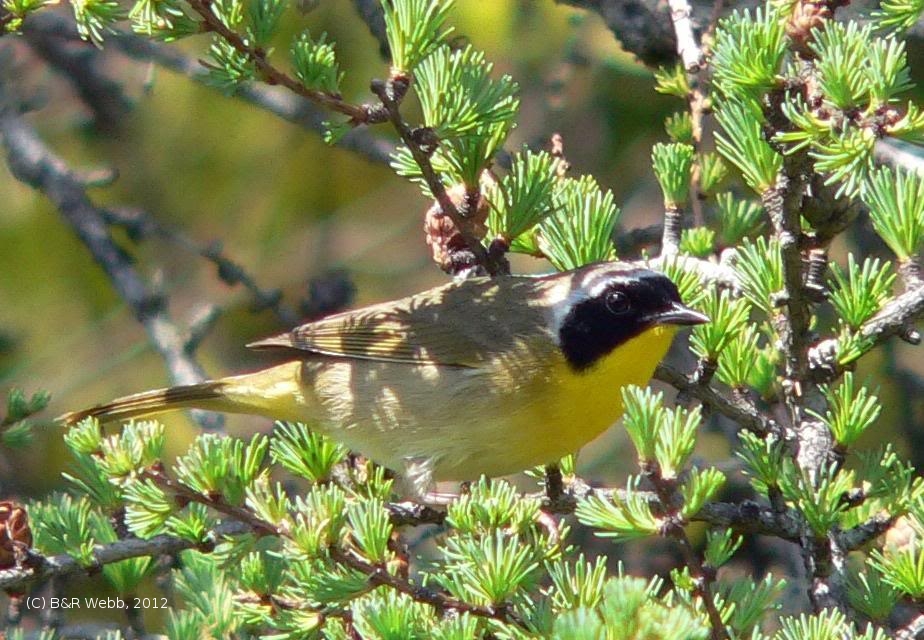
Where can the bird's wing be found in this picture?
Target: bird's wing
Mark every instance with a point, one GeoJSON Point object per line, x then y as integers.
{"type": "Point", "coordinates": [462, 324]}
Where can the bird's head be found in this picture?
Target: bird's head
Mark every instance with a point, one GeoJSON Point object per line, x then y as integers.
{"type": "Point", "coordinates": [608, 304]}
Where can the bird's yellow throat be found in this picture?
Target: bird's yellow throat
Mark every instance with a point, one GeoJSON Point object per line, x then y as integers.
{"type": "Point", "coordinates": [579, 406]}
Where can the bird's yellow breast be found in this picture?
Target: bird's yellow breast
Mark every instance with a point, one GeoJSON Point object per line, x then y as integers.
{"type": "Point", "coordinates": [576, 407]}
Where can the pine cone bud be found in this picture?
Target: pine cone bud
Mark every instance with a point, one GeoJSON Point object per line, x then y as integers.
{"type": "Point", "coordinates": [15, 534]}
{"type": "Point", "coordinates": [446, 243]}
{"type": "Point", "coordinates": [805, 17]}
{"type": "Point", "coordinates": [902, 535]}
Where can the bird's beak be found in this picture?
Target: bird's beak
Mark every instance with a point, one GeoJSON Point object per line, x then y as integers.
{"type": "Point", "coordinates": [681, 314]}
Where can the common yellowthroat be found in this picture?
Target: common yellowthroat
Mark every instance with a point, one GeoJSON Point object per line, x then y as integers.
{"type": "Point", "coordinates": [484, 376]}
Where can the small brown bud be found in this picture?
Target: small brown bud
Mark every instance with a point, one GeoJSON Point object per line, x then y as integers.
{"type": "Point", "coordinates": [805, 17]}
{"type": "Point", "coordinates": [15, 534]}
{"type": "Point", "coordinates": [904, 534]}
{"type": "Point", "coordinates": [443, 237]}
{"type": "Point", "coordinates": [562, 166]}
{"type": "Point", "coordinates": [426, 139]}
{"type": "Point", "coordinates": [400, 83]}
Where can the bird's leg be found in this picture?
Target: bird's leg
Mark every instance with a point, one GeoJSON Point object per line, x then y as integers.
{"type": "Point", "coordinates": [554, 483]}
{"type": "Point", "coordinates": [417, 481]}
{"type": "Point", "coordinates": [554, 490]}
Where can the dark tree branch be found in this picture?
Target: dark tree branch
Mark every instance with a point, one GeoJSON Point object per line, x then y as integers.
{"type": "Point", "coordinates": [892, 320]}
{"type": "Point", "coordinates": [736, 409]}
{"type": "Point", "coordinates": [750, 517]}
{"type": "Point", "coordinates": [34, 164]}
{"type": "Point", "coordinates": [783, 204]}
{"type": "Point", "coordinates": [860, 535]}
{"type": "Point", "coordinates": [38, 568]}
{"type": "Point", "coordinates": [371, 13]}
{"type": "Point", "coordinates": [79, 63]}
{"type": "Point", "coordinates": [414, 514]}
{"type": "Point", "coordinates": [812, 447]}
{"type": "Point", "coordinates": [895, 316]}
{"type": "Point", "coordinates": [744, 517]}
{"type": "Point", "coordinates": [643, 27]}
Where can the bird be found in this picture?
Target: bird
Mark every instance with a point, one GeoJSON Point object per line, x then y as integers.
{"type": "Point", "coordinates": [483, 376]}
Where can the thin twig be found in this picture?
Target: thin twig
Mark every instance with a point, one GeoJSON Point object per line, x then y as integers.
{"type": "Point", "coordinates": [693, 57]}
{"type": "Point", "coordinates": [699, 105]}
{"type": "Point", "coordinates": [668, 510]}
{"type": "Point", "coordinates": [736, 409]}
{"type": "Point", "coordinates": [356, 113]}
{"type": "Point", "coordinates": [379, 575]}
{"type": "Point", "coordinates": [892, 320]}
{"type": "Point", "coordinates": [280, 102]}
{"type": "Point", "coordinates": [140, 224]}
{"type": "Point", "coordinates": [38, 568]}
{"type": "Point", "coordinates": [703, 582]}
{"type": "Point", "coordinates": [390, 93]}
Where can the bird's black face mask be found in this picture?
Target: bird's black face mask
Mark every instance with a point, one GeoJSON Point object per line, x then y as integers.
{"type": "Point", "coordinates": [629, 304]}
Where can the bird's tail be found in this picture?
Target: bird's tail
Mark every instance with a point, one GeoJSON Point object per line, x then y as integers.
{"type": "Point", "coordinates": [275, 392]}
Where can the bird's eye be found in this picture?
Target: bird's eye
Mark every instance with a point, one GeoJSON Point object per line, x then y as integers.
{"type": "Point", "coordinates": [617, 302]}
